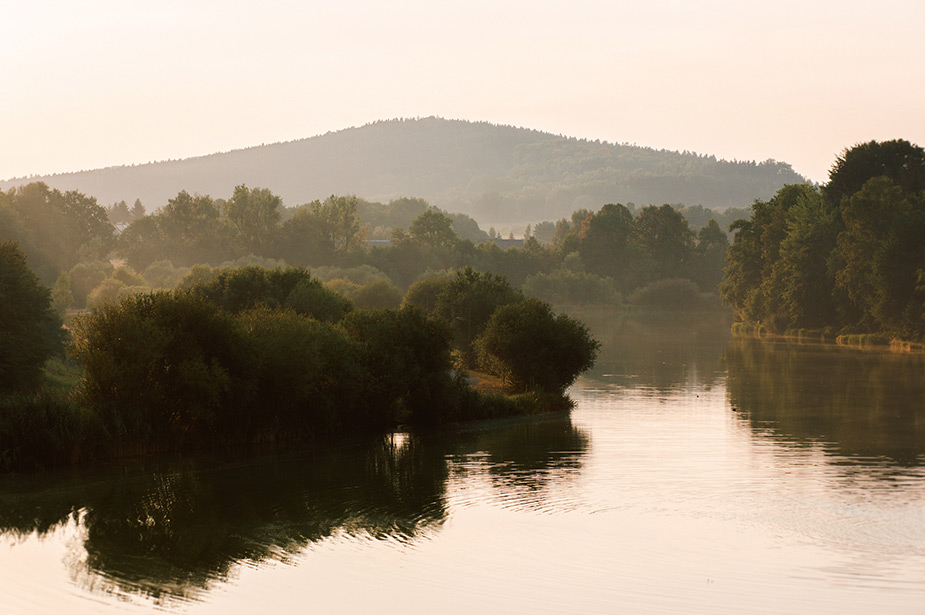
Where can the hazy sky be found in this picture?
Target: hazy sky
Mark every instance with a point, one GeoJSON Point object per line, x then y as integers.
{"type": "Point", "coordinates": [99, 83]}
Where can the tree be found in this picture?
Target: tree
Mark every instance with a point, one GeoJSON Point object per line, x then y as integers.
{"type": "Point", "coordinates": [433, 228]}
{"type": "Point", "coordinates": [255, 215]}
{"type": "Point", "coordinates": [901, 161]}
{"type": "Point", "coordinates": [407, 357]}
{"type": "Point", "coordinates": [338, 222]}
{"type": "Point", "coordinates": [54, 229]}
{"type": "Point", "coordinates": [666, 238]}
{"type": "Point", "coordinates": [606, 246]}
{"type": "Point", "coordinates": [531, 348]}
{"type": "Point", "coordinates": [468, 300]}
{"type": "Point", "coordinates": [192, 229]}
{"type": "Point", "coordinates": [162, 369]}
{"type": "Point", "coordinates": [879, 255]}
{"type": "Point", "coordinates": [709, 256]}
{"type": "Point", "coordinates": [30, 331]}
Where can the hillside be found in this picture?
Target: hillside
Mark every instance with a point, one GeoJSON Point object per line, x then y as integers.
{"type": "Point", "coordinates": [497, 174]}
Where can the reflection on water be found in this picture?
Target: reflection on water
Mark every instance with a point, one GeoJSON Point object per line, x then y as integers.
{"type": "Point", "coordinates": [661, 352]}
{"type": "Point", "coordinates": [172, 531]}
{"type": "Point", "coordinates": [864, 406]}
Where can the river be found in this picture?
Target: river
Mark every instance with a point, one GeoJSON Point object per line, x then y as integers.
{"type": "Point", "coordinates": [696, 474]}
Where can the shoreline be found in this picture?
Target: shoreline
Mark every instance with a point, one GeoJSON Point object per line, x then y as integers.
{"type": "Point", "coordinates": [856, 341]}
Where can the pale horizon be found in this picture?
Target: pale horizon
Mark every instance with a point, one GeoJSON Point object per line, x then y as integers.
{"type": "Point", "coordinates": [107, 84]}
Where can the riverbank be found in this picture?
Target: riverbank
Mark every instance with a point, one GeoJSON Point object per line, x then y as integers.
{"type": "Point", "coordinates": [860, 341]}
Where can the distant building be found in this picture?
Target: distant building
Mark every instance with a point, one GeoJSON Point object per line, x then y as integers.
{"type": "Point", "coordinates": [379, 243]}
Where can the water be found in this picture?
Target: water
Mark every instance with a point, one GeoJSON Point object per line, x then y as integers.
{"type": "Point", "coordinates": [697, 474]}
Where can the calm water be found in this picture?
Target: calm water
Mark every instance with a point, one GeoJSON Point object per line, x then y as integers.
{"type": "Point", "coordinates": [697, 474]}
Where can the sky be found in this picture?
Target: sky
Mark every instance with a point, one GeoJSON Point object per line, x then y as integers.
{"type": "Point", "coordinates": [99, 83]}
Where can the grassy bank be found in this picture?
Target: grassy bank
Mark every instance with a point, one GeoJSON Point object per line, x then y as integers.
{"type": "Point", "coordinates": [878, 341]}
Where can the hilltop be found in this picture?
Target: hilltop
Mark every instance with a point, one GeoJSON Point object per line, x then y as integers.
{"type": "Point", "coordinates": [497, 174]}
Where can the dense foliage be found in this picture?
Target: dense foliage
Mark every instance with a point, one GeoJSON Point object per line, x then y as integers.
{"type": "Point", "coordinates": [30, 331]}
{"type": "Point", "coordinates": [848, 258]}
{"type": "Point", "coordinates": [529, 347]}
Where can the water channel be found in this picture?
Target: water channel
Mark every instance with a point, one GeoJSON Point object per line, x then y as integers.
{"type": "Point", "coordinates": [696, 474]}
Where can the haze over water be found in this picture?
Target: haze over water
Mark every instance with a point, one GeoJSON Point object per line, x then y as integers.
{"type": "Point", "coordinates": [696, 474]}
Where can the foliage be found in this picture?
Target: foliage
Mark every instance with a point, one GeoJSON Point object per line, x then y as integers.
{"type": "Point", "coordinates": [54, 228]}
{"type": "Point", "coordinates": [466, 303]}
{"type": "Point", "coordinates": [305, 374]}
{"type": "Point", "coordinates": [671, 294]}
{"type": "Point", "coordinates": [161, 368]}
{"type": "Point", "coordinates": [86, 276]}
{"type": "Point", "coordinates": [664, 235]}
{"type": "Point", "coordinates": [424, 292]}
{"type": "Point", "coordinates": [254, 213]}
{"type": "Point", "coordinates": [849, 257]}
{"type": "Point", "coordinates": [61, 297]}
{"type": "Point", "coordinates": [407, 357]}
{"type": "Point", "coordinates": [607, 246]}
{"type": "Point", "coordinates": [243, 288]}
{"type": "Point", "coordinates": [529, 347]}
{"type": "Point", "coordinates": [901, 161]}
{"type": "Point", "coordinates": [30, 330]}
{"type": "Point", "coordinates": [378, 295]}
{"type": "Point", "coordinates": [433, 228]}
{"type": "Point", "coordinates": [564, 287]}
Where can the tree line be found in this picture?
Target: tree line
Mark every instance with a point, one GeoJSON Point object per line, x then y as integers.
{"type": "Point", "coordinates": [846, 257]}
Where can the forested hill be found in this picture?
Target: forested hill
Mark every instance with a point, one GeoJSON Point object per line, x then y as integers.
{"type": "Point", "coordinates": [497, 174]}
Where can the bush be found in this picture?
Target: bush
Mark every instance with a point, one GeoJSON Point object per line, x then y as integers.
{"type": "Point", "coordinates": [529, 347]}
{"type": "Point", "coordinates": [672, 294]}
{"type": "Point", "coordinates": [424, 292]}
{"type": "Point", "coordinates": [564, 287]}
{"type": "Point", "coordinates": [162, 368]}
{"type": "Point", "coordinates": [162, 274]}
{"type": "Point", "coordinates": [307, 374]}
{"type": "Point", "coordinates": [407, 358]}
{"type": "Point", "coordinates": [84, 277]}
{"type": "Point", "coordinates": [244, 288]}
{"type": "Point", "coordinates": [378, 295]}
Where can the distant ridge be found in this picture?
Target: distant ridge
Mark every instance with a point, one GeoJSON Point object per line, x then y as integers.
{"type": "Point", "coordinates": [497, 174]}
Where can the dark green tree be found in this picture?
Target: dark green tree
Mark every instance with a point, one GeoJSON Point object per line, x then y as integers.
{"type": "Point", "coordinates": [607, 248]}
{"type": "Point", "coordinates": [466, 303]}
{"type": "Point", "coordinates": [433, 228]}
{"type": "Point", "coordinates": [665, 237]}
{"type": "Point", "coordinates": [901, 161]}
{"type": "Point", "coordinates": [30, 330]}
{"type": "Point", "coordinates": [530, 348]}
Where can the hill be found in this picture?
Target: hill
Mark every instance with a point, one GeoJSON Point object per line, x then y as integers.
{"type": "Point", "coordinates": [497, 174]}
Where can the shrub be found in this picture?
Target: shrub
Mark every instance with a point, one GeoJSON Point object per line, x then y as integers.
{"type": "Point", "coordinates": [161, 368]}
{"type": "Point", "coordinates": [407, 357]}
{"type": "Point", "coordinates": [307, 374]}
{"type": "Point", "coordinates": [424, 292]}
{"type": "Point", "coordinates": [529, 347]}
{"type": "Point", "coordinates": [564, 287]}
{"type": "Point", "coordinates": [378, 295]}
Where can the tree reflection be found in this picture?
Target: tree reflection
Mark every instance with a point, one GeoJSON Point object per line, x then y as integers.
{"type": "Point", "coordinates": [172, 531]}
{"type": "Point", "coordinates": [865, 404]}
{"type": "Point", "coordinates": [662, 351]}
